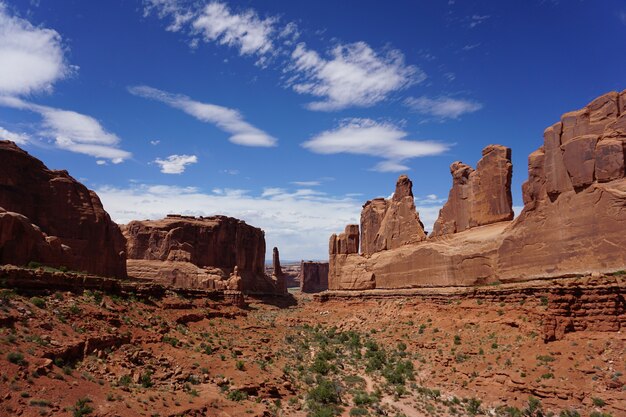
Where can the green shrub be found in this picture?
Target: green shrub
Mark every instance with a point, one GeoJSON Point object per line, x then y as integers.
{"type": "Point", "coordinates": [82, 407]}
{"type": "Point", "coordinates": [146, 379]}
{"type": "Point", "coordinates": [473, 406]}
{"type": "Point", "coordinates": [598, 402]}
{"type": "Point", "coordinates": [324, 393]}
{"type": "Point", "coordinates": [125, 380]}
{"type": "Point", "coordinates": [38, 302]}
{"type": "Point", "coordinates": [16, 358]}
{"type": "Point", "coordinates": [569, 413]}
{"type": "Point", "coordinates": [236, 395]}
{"type": "Point", "coordinates": [359, 412]}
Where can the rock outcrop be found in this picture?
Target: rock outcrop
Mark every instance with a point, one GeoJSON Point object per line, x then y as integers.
{"type": "Point", "coordinates": [478, 197]}
{"type": "Point", "coordinates": [313, 276]}
{"type": "Point", "coordinates": [277, 273]}
{"type": "Point", "coordinates": [573, 221]}
{"type": "Point", "coordinates": [71, 230]}
{"type": "Point", "coordinates": [198, 252]}
{"type": "Point", "coordinates": [389, 224]}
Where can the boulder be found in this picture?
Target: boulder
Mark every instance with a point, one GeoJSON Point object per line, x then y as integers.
{"type": "Point", "coordinates": [63, 209]}
{"type": "Point", "coordinates": [478, 197]}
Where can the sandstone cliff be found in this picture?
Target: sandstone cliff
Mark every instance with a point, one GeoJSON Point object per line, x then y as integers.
{"type": "Point", "coordinates": [313, 276]}
{"type": "Point", "coordinates": [199, 252]}
{"type": "Point", "coordinates": [389, 224]}
{"type": "Point", "coordinates": [72, 228]}
{"type": "Point", "coordinates": [478, 197]}
{"type": "Point", "coordinates": [573, 221]}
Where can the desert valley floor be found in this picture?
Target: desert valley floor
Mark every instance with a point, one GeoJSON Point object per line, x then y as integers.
{"type": "Point", "coordinates": [426, 354]}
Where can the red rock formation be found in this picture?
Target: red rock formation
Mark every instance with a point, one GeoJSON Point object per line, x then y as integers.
{"type": "Point", "coordinates": [22, 242]}
{"type": "Point", "coordinates": [313, 276]}
{"type": "Point", "coordinates": [478, 197]}
{"type": "Point", "coordinates": [184, 243]}
{"type": "Point", "coordinates": [389, 224]}
{"type": "Point", "coordinates": [277, 273]}
{"type": "Point", "coordinates": [341, 248]}
{"type": "Point", "coordinates": [573, 221]}
{"type": "Point", "coordinates": [574, 216]}
{"type": "Point", "coordinates": [70, 216]}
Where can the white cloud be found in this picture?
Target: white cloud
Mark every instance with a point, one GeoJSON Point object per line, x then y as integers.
{"type": "Point", "coordinates": [476, 20]}
{"type": "Point", "coordinates": [469, 47]}
{"type": "Point", "coordinates": [216, 22]}
{"type": "Point", "coordinates": [155, 142]}
{"type": "Point", "coordinates": [230, 171]}
{"type": "Point", "coordinates": [442, 107]}
{"type": "Point", "coordinates": [101, 162]}
{"type": "Point", "coordinates": [367, 137]}
{"type": "Point", "coordinates": [307, 183]}
{"type": "Point", "coordinates": [19, 138]}
{"type": "Point", "coordinates": [351, 74]}
{"type": "Point", "coordinates": [229, 120]}
{"type": "Point", "coordinates": [73, 131]}
{"type": "Point", "coordinates": [32, 58]}
{"type": "Point", "coordinates": [354, 75]}
{"type": "Point", "coordinates": [299, 223]}
{"type": "Point", "coordinates": [244, 31]}
{"type": "Point", "coordinates": [175, 164]}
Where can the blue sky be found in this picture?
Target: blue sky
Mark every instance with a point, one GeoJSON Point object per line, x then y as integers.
{"type": "Point", "coordinates": [290, 115]}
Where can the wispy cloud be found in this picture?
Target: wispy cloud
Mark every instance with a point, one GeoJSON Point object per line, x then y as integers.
{"type": "Point", "coordinates": [353, 75]}
{"type": "Point", "coordinates": [442, 107]}
{"type": "Point", "coordinates": [229, 120]}
{"type": "Point", "coordinates": [307, 183]}
{"type": "Point", "coordinates": [216, 22]}
{"type": "Point", "coordinates": [298, 221]}
{"type": "Point", "coordinates": [244, 31]}
{"type": "Point", "coordinates": [347, 75]}
{"type": "Point", "coordinates": [469, 47]}
{"type": "Point", "coordinates": [19, 138]}
{"type": "Point", "coordinates": [477, 19]}
{"type": "Point", "coordinates": [73, 131]}
{"type": "Point", "coordinates": [175, 164]}
{"type": "Point", "coordinates": [368, 137]}
{"type": "Point", "coordinates": [32, 58]}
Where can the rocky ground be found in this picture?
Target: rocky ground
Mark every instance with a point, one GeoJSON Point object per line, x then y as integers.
{"type": "Point", "coordinates": [100, 354]}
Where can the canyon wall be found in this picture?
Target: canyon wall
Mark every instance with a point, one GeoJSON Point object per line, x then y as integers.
{"type": "Point", "coordinates": [313, 276]}
{"type": "Point", "coordinates": [199, 252]}
{"type": "Point", "coordinates": [573, 221]}
{"type": "Point", "coordinates": [48, 217]}
{"type": "Point", "coordinates": [478, 197]}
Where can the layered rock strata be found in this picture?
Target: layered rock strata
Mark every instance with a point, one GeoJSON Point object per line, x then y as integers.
{"type": "Point", "coordinates": [573, 220]}
{"type": "Point", "coordinates": [389, 224]}
{"type": "Point", "coordinates": [478, 197]}
{"type": "Point", "coordinates": [51, 218]}
{"type": "Point", "coordinates": [199, 252]}
{"type": "Point", "coordinates": [313, 276]}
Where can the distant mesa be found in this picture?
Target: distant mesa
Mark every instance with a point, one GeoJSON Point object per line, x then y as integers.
{"type": "Point", "coordinates": [200, 252]}
{"type": "Point", "coordinates": [573, 221]}
{"type": "Point", "coordinates": [313, 276]}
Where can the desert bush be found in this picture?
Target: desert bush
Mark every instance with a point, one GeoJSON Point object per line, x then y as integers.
{"type": "Point", "coordinates": [38, 302]}
{"type": "Point", "coordinates": [16, 358]}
